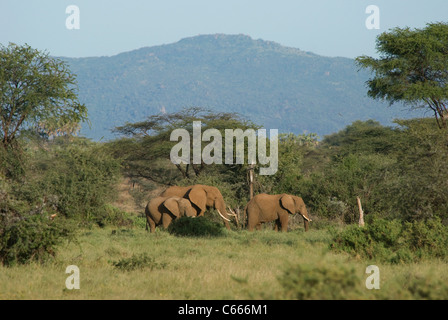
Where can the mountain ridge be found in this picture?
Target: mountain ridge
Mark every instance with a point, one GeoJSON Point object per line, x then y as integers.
{"type": "Point", "coordinates": [275, 86]}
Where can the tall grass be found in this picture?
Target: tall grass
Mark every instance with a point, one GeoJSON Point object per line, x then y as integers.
{"type": "Point", "coordinates": [236, 265]}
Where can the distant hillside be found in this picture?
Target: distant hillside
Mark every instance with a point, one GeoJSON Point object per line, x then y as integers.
{"type": "Point", "coordinates": [272, 85]}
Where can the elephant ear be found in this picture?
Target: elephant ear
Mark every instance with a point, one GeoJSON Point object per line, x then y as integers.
{"type": "Point", "coordinates": [287, 202]}
{"type": "Point", "coordinates": [198, 196]}
{"type": "Point", "coordinates": [300, 205]}
{"type": "Point", "coordinates": [172, 205]}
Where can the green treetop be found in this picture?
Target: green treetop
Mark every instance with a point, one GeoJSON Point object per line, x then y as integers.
{"type": "Point", "coordinates": [412, 68]}
{"type": "Point", "coordinates": [36, 91]}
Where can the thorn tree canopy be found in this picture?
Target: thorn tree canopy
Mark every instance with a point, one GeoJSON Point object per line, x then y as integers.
{"type": "Point", "coordinates": [36, 91]}
{"type": "Point", "coordinates": [146, 150]}
{"type": "Point", "coordinates": [412, 68]}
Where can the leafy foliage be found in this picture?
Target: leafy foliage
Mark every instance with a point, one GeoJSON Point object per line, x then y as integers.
{"type": "Point", "coordinates": [412, 68]}
{"type": "Point", "coordinates": [32, 238]}
{"type": "Point", "coordinates": [138, 262]}
{"type": "Point", "coordinates": [311, 282]}
{"type": "Point", "coordinates": [195, 227]}
{"type": "Point", "coordinates": [146, 151]}
{"type": "Point", "coordinates": [76, 176]}
{"type": "Point", "coordinates": [395, 241]}
{"type": "Point", "coordinates": [427, 287]}
{"type": "Point", "coordinates": [38, 92]}
{"type": "Point", "coordinates": [291, 151]}
{"type": "Point", "coordinates": [70, 179]}
{"type": "Point", "coordinates": [398, 172]}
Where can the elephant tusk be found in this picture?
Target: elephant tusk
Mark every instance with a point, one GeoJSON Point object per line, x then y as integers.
{"type": "Point", "coordinates": [222, 216]}
{"type": "Point", "coordinates": [307, 219]}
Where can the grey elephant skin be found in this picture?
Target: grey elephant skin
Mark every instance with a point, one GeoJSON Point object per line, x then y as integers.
{"type": "Point", "coordinates": [163, 210]}
{"type": "Point", "coordinates": [266, 208]}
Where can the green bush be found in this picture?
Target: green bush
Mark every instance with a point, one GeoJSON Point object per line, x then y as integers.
{"type": "Point", "coordinates": [142, 261]}
{"type": "Point", "coordinates": [321, 282]}
{"type": "Point", "coordinates": [72, 178]}
{"type": "Point", "coordinates": [82, 179]}
{"type": "Point", "coordinates": [427, 239]}
{"type": "Point", "coordinates": [331, 192]}
{"type": "Point", "coordinates": [398, 172]}
{"type": "Point", "coordinates": [12, 161]}
{"type": "Point", "coordinates": [76, 178]}
{"type": "Point", "coordinates": [111, 215]}
{"type": "Point", "coordinates": [33, 238]}
{"type": "Point", "coordinates": [195, 227]}
{"type": "Point", "coordinates": [426, 287]}
{"type": "Point", "coordinates": [394, 241]}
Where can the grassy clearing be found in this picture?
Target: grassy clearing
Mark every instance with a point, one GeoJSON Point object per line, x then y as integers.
{"type": "Point", "coordinates": [238, 265]}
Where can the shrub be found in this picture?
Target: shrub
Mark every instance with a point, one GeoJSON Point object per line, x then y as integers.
{"type": "Point", "coordinates": [12, 161]}
{"type": "Point", "coordinates": [394, 241]}
{"type": "Point", "coordinates": [33, 238]}
{"type": "Point", "coordinates": [77, 176]}
{"type": "Point", "coordinates": [428, 239]}
{"type": "Point", "coordinates": [195, 227]}
{"type": "Point", "coordinates": [142, 261]}
{"type": "Point", "coordinates": [310, 282]}
{"type": "Point", "coordinates": [111, 215]}
{"type": "Point", "coordinates": [426, 287]}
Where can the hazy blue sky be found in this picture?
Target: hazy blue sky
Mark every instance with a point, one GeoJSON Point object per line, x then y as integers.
{"type": "Point", "coordinates": [108, 27]}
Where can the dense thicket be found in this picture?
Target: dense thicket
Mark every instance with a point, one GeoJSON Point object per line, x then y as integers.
{"type": "Point", "coordinates": [59, 185]}
{"type": "Point", "coordinates": [398, 172]}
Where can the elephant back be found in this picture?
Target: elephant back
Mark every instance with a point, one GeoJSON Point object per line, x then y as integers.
{"type": "Point", "coordinates": [176, 191]}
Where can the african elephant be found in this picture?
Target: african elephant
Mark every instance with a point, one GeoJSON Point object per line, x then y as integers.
{"type": "Point", "coordinates": [163, 210]}
{"type": "Point", "coordinates": [203, 197]}
{"type": "Point", "coordinates": [265, 208]}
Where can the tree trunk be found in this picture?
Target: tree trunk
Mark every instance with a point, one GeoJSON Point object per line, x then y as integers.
{"type": "Point", "coordinates": [251, 181]}
{"type": "Point", "coordinates": [361, 213]}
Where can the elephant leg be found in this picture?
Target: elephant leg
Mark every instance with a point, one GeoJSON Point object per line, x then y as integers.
{"type": "Point", "coordinates": [152, 225]}
{"type": "Point", "coordinates": [277, 225]}
{"type": "Point", "coordinates": [166, 220]}
{"type": "Point", "coordinates": [283, 223]}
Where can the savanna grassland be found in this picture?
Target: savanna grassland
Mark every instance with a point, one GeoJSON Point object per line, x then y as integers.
{"type": "Point", "coordinates": [236, 265]}
{"type": "Point", "coordinates": [70, 201]}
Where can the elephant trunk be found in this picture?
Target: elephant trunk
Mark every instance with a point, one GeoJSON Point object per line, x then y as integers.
{"type": "Point", "coordinates": [306, 224]}
{"type": "Point", "coordinates": [306, 219]}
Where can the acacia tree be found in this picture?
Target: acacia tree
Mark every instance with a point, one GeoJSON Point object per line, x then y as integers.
{"type": "Point", "coordinates": [146, 147]}
{"type": "Point", "coordinates": [412, 68]}
{"type": "Point", "coordinates": [36, 91]}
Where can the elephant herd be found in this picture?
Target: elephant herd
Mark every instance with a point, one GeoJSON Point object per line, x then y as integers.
{"type": "Point", "coordinates": [193, 201]}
